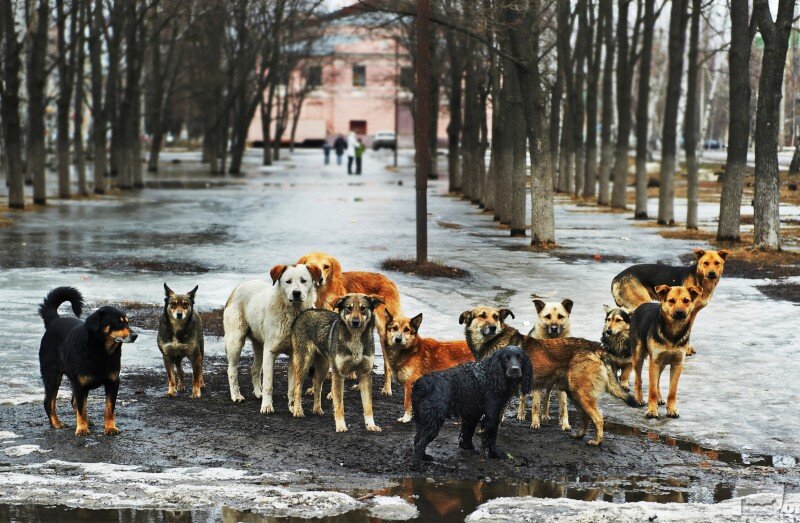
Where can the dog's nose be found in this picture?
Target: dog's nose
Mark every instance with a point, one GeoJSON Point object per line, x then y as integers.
{"type": "Point", "coordinates": [712, 275]}
{"type": "Point", "coordinates": [679, 315]}
{"type": "Point", "coordinates": [514, 372]}
{"type": "Point", "coordinates": [492, 328]}
{"type": "Point", "coordinates": [553, 328]}
{"type": "Point", "coordinates": [355, 322]}
{"type": "Point", "coordinates": [608, 332]}
{"type": "Point", "coordinates": [180, 315]}
{"type": "Point", "coordinates": [296, 294]}
{"type": "Point", "coordinates": [134, 336]}
{"type": "Point", "coordinates": [398, 339]}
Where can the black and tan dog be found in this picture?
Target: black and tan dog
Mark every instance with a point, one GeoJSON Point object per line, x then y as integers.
{"type": "Point", "coordinates": [88, 352]}
{"type": "Point", "coordinates": [475, 392]}
{"type": "Point", "coordinates": [636, 285]}
{"type": "Point", "coordinates": [572, 365]}
{"type": "Point", "coordinates": [616, 344]}
{"type": "Point", "coordinates": [343, 341]}
{"type": "Point", "coordinates": [660, 331]}
{"type": "Point", "coordinates": [180, 335]}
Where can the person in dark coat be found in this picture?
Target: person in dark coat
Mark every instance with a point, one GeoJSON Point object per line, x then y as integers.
{"type": "Point", "coordinates": [339, 145]}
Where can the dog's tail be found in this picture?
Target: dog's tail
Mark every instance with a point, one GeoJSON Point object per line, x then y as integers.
{"type": "Point", "coordinates": [48, 310]}
{"type": "Point", "coordinates": [613, 387]}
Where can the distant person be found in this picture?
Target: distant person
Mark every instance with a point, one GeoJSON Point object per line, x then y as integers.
{"type": "Point", "coordinates": [352, 142]}
{"type": "Point", "coordinates": [360, 148]}
{"type": "Point", "coordinates": [339, 145]}
{"type": "Point", "coordinates": [326, 150]}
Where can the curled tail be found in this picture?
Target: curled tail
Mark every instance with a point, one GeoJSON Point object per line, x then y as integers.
{"type": "Point", "coordinates": [613, 387]}
{"type": "Point", "coordinates": [48, 310]}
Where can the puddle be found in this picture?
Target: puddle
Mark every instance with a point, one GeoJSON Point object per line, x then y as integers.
{"type": "Point", "coordinates": [154, 183]}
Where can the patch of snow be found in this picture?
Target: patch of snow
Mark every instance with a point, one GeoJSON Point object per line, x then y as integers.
{"type": "Point", "coordinates": [7, 434]}
{"type": "Point", "coordinates": [393, 508]}
{"type": "Point", "coordinates": [23, 450]}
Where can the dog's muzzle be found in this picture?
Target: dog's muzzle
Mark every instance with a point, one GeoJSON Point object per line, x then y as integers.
{"type": "Point", "coordinates": [398, 340]}
{"type": "Point", "coordinates": [679, 315]}
{"type": "Point", "coordinates": [514, 372]}
{"type": "Point", "coordinates": [554, 329]}
{"type": "Point", "coordinates": [489, 330]}
{"type": "Point", "coordinates": [130, 338]}
{"type": "Point", "coordinates": [355, 323]}
{"type": "Point", "coordinates": [712, 275]}
{"type": "Point", "coordinates": [609, 332]}
{"type": "Point", "coordinates": [179, 316]}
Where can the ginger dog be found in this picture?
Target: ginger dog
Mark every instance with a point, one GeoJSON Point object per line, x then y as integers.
{"type": "Point", "coordinates": [411, 356]}
{"type": "Point", "coordinates": [334, 283]}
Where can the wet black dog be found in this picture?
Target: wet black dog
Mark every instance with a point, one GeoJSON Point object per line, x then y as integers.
{"type": "Point", "coordinates": [472, 391]}
{"type": "Point", "coordinates": [87, 352]}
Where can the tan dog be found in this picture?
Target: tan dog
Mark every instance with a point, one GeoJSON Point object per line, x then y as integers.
{"type": "Point", "coordinates": [661, 332]}
{"type": "Point", "coordinates": [552, 322]}
{"type": "Point", "coordinates": [616, 343]}
{"type": "Point", "coordinates": [334, 283]}
{"type": "Point", "coordinates": [569, 364]}
{"type": "Point", "coordinates": [636, 285]}
{"type": "Point", "coordinates": [411, 356]}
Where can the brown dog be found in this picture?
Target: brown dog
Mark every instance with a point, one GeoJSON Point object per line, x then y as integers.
{"type": "Point", "coordinates": [636, 285]}
{"type": "Point", "coordinates": [334, 283]}
{"type": "Point", "coordinates": [661, 331]}
{"type": "Point", "coordinates": [411, 356]}
{"type": "Point", "coordinates": [569, 364]}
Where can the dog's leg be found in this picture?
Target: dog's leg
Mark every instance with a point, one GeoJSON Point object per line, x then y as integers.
{"type": "Point", "coordinates": [197, 375]}
{"type": "Point", "coordinates": [298, 368]}
{"type": "Point", "coordinates": [181, 386]}
{"type": "Point", "coordinates": [536, 405]}
{"type": "Point", "coordinates": [563, 412]}
{"type": "Point", "coordinates": [258, 365]}
{"type": "Point", "coordinates": [110, 411]}
{"type": "Point", "coordinates": [51, 393]}
{"type": "Point", "coordinates": [407, 415]}
{"type": "Point", "coordinates": [658, 388]}
{"type": "Point", "coordinates": [170, 376]}
{"type": "Point", "coordinates": [490, 423]}
{"type": "Point", "coordinates": [266, 383]}
{"type": "Point", "coordinates": [672, 398]}
{"type": "Point", "coordinates": [638, 362]}
{"type": "Point", "coordinates": [546, 406]}
{"type": "Point", "coordinates": [365, 385]}
{"type": "Point", "coordinates": [320, 371]}
{"type": "Point", "coordinates": [337, 391]}
{"type": "Point", "coordinates": [592, 411]}
{"type": "Point", "coordinates": [380, 324]}
{"type": "Point", "coordinates": [652, 393]}
{"type": "Point", "coordinates": [467, 433]}
{"type": "Point", "coordinates": [625, 377]}
{"type": "Point", "coordinates": [521, 407]}
{"type": "Point", "coordinates": [80, 396]}
{"type": "Point", "coordinates": [428, 427]}
{"type": "Point", "coordinates": [234, 341]}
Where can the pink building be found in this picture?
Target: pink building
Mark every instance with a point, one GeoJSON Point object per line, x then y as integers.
{"type": "Point", "coordinates": [363, 81]}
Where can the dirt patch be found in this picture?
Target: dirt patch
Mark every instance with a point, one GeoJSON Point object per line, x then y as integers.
{"type": "Point", "coordinates": [449, 225]}
{"type": "Point", "coordinates": [431, 268]}
{"type": "Point", "coordinates": [782, 291]}
{"type": "Point", "coordinates": [147, 315]}
{"type": "Point", "coordinates": [139, 265]}
{"type": "Point", "coordinates": [572, 257]}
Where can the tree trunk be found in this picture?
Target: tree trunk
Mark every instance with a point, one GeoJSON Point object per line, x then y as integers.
{"type": "Point", "coordinates": [624, 102]}
{"type": "Point", "coordinates": [266, 123]}
{"type": "Point", "coordinates": [584, 39]}
{"type": "Point", "coordinates": [77, 140]}
{"type": "Point", "coordinates": [519, 171]}
{"type": "Point", "coordinates": [692, 117]}
{"type": "Point", "coordinates": [99, 117]}
{"type": "Point", "coordinates": [643, 111]}
{"type": "Point", "coordinates": [766, 231]}
{"type": "Point", "coordinates": [738, 121]}
{"type": "Point", "coordinates": [556, 93]}
{"type": "Point", "coordinates": [9, 107]}
{"type": "Point", "coordinates": [454, 105]}
{"type": "Point", "coordinates": [566, 165]}
{"type": "Point", "coordinates": [607, 144]}
{"type": "Point", "coordinates": [66, 68]}
{"type": "Point", "coordinates": [592, 86]}
{"type": "Point", "coordinates": [37, 84]}
{"type": "Point", "coordinates": [677, 42]}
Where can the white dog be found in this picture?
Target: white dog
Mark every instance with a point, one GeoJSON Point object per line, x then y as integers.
{"type": "Point", "coordinates": [552, 322]}
{"type": "Point", "coordinates": [264, 313]}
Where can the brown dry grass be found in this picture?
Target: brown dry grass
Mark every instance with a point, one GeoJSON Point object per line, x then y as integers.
{"type": "Point", "coordinates": [431, 268]}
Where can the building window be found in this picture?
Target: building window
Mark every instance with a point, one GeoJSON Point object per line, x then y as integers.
{"type": "Point", "coordinates": [359, 76]}
{"type": "Point", "coordinates": [407, 77]}
{"type": "Point", "coordinates": [314, 76]}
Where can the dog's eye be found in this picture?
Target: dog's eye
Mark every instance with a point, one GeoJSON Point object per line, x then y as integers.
{"type": "Point", "coordinates": [705, 263]}
{"type": "Point", "coordinates": [686, 300]}
{"type": "Point", "coordinates": [326, 267]}
{"type": "Point", "coordinates": [672, 301]}
{"type": "Point", "coordinates": [482, 315]}
{"type": "Point", "coordinates": [548, 316]}
{"type": "Point", "coordinates": [288, 281]}
{"type": "Point", "coordinates": [302, 280]}
{"type": "Point", "coordinates": [363, 309]}
{"type": "Point", "coordinates": [560, 316]}
{"type": "Point", "coordinates": [716, 263]}
{"type": "Point", "coordinates": [406, 330]}
{"type": "Point", "coordinates": [495, 317]}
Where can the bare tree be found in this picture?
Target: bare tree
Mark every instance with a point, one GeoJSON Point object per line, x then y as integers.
{"type": "Point", "coordinates": [643, 110]}
{"type": "Point", "coordinates": [766, 233]}
{"type": "Point", "coordinates": [79, 154]}
{"type": "Point", "coordinates": [66, 47]}
{"type": "Point", "coordinates": [692, 118]}
{"type": "Point", "coordinates": [99, 107]}
{"type": "Point", "coordinates": [36, 79]}
{"type": "Point", "coordinates": [607, 144]}
{"type": "Point", "coordinates": [592, 87]}
{"type": "Point", "coordinates": [9, 105]}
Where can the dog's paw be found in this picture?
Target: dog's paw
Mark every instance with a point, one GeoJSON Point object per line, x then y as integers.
{"type": "Point", "coordinates": [386, 391]}
{"type": "Point", "coordinates": [466, 445]}
{"type": "Point", "coordinates": [640, 402]}
{"type": "Point", "coordinates": [329, 396]}
{"type": "Point", "coordinates": [661, 401]}
{"type": "Point", "coordinates": [545, 416]}
{"type": "Point", "coordinates": [341, 428]}
{"type": "Point", "coordinates": [577, 435]}
{"type": "Point", "coordinates": [258, 394]}
{"type": "Point", "coordinates": [651, 414]}
{"type": "Point", "coordinates": [520, 416]}
{"type": "Point", "coordinates": [267, 409]}
{"type": "Point", "coordinates": [237, 397]}
{"type": "Point", "coordinates": [690, 351]}
{"type": "Point", "coordinates": [565, 426]}
{"type": "Point", "coordinates": [196, 393]}
{"type": "Point", "coordinates": [181, 387]}
{"type": "Point", "coordinates": [626, 388]}
{"type": "Point", "coordinates": [318, 411]}
{"type": "Point", "coordinates": [406, 418]}
{"type": "Point", "coordinates": [170, 393]}
{"type": "Point", "coordinates": [673, 414]}
{"type": "Point", "coordinates": [57, 425]}
{"type": "Point", "coordinates": [535, 423]}
{"type": "Point", "coordinates": [354, 387]}
{"type": "Point", "coordinates": [373, 428]}
{"type": "Point", "coordinates": [495, 453]}
{"type": "Point", "coordinates": [298, 413]}
{"type": "Point", "coordinates": [112, 431]}
{"type": "Point", "coordinates": [310, 391]}
{"type": "Point", "coordinates": [594, 442]}
{"type": "Point", "coordinates": [82, 431]}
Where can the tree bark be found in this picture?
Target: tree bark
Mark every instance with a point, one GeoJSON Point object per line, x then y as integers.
{"type": "Point", "coordinates": [456, 74]}
{"type": "Point", "coordinates": [99, 116]}
{"type": "Point", "coordinates": [37, 84]}
{"type": "Point", "coordinates": [519, 171]}
{"type": "Point", "coordinates": [77, 140]}
{"type": "Point", "coordinates": [624, 103]}
{"type": "Point", "coordinates": [566, 163]}
{"type": "Point", "coordinates": [766, 231]}
{"type": "Point", "coordinates": [692, 117]}
{"type": "Point", "coordinates": [643, 110]}
{"type": "Point", "coordinates": [584, 39]}
{"type": "Point", "coordinates": [677, 42]}
{"type": "Point", "coordinates": [66, 68]}
{"type": "Point", "coordinates": [9, 107]}
{"type": "Point", "coordinates": [592, 87]}
{"type": "Point", "coordinates": [607, 144]}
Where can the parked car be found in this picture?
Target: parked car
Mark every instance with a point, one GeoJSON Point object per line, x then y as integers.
{"type": "Point", "coordinates": [384, 139]}
{"type": "Point", "coordinates": [712, 145]}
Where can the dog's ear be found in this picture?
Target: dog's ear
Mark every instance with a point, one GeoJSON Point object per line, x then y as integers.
{"type": "Point", "coordinates": [465, 317]}
{"type": "Point", "coordinates": [416, 321]}
{"type": "Point", "coordinates": [167, 291]}
{"type": "Point", "coordinates": [694, 291]}
{"type": "Point", "coordinates": [388, 317]}
{"type": "Point", "coordinates": [539, 304]}
{"type": "Point", "coordinates": [607, 309]}
{"type": "Point", "coordinates": [276, 272]}
{"type": "Point", "coordinates": [567, 304]}
{"type": "Point", "coordinates": [497, 372]}
{"type": "Point", "coordinates": [527, 375]}
{"type": "Point", "coordinates": [374, 300]}
{"type": "Point", "coordinates": [625, 315]}
{"type": "Point", "coordinates": [698, 253]}
{"type": "Point", "coordinates": [505, 313]}
{"type": "Point", "coordinates": [724, 253]}
{"type": "Point", "coordinates": [316, 274]}
{"type": "Point", "coordinates": [93, 321]}
{"type": "Point", "coordinates": [192, 292]}
{"type": "Point", "coordinates": [339, 303]}
{"type": "Point", "coordinates": [662, 291]}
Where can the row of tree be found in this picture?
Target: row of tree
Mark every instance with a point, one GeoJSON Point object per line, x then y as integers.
{"type": "Point", "coordinates": [560, 76]}
{"type": "Point", "coordinates": [137, 67]}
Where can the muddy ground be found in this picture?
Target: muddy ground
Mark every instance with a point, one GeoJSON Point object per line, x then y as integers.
{"type": "Point", "coordinates": [214, 432]}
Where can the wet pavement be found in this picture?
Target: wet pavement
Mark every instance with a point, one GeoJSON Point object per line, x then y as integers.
{"type": "Point", "coordinates": [737, 435]}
